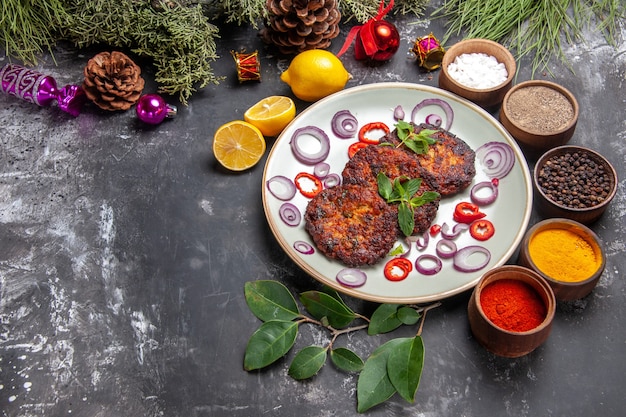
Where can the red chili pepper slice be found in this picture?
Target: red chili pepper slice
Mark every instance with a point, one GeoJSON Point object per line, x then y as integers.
{"type": "Point", "coordinates": [482, 229]}
{"type": "Point", "coordinates": [355, 147]}
{"type": "Point", "coordinates": [465, 212]}
{"type": "Point", "coordinates": [308, 185]}
{"type": "Point", "coordinates": [368, 128]}
{"type": "Point", "coordinates": [398, 269]}
{"type": "Point", "coordinates": [434, 230]}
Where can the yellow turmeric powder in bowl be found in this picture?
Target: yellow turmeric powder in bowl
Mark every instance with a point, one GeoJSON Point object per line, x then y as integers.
{"type": "Point", "coordinates": [564, 255]}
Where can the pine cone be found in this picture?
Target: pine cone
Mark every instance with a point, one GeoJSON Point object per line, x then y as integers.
{"type": "Point", "coordinates": [113, 81]}
{"type": "Point", "coordinates": [297, 25]}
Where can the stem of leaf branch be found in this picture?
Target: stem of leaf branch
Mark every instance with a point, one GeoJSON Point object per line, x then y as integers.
{"type": "Point", "coordinates": [424, 310]}
{"type": "Point", "coordinates": [335, 333]}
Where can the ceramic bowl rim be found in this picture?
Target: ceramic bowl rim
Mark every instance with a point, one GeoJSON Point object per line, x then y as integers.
{"type": "Point", "coordinates": [548, 224]}
{"type": "Point", "coordinates": [448, 57]}
{"type": "Point", "coordinates": [599, 158]}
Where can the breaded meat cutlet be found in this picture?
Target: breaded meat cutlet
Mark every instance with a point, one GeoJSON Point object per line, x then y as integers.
{"type": "Point", "coordinates": [363, 168]}
{"type": "Point", "coordinates": [352, 224]}
{"type": "Point", "coordinates": [449, 162]}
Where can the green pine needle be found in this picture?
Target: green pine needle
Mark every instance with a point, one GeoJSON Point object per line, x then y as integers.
{"type": "Point", "coordinates": [532, 27]}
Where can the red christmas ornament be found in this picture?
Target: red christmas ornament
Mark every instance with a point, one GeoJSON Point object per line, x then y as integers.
{"type": "Point", "coordinates": [376, 39]}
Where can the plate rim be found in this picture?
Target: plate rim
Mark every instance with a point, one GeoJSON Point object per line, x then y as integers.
{"type": "Point", "coordinates": [353, 292]}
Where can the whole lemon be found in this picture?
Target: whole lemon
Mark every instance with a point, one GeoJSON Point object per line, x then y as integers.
{"type": "Point", "coordinates": [315, 74]}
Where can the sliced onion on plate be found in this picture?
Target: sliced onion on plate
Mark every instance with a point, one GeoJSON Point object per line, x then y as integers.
{"type": "Point", "coordinates": [290, 214]}
{"type": "Point", "coordinates": [398, 113]}
{"type": "Point", "coordinates": [445, 248]}
{"type": "Point", "coordinates": [422, 241]}
{"type": "Point", "coordinates": [281, 187]}
{"type": "Point", "coordinates": [351, 277]}
{"type": "Point", "coordinates": [434, 120]}
{"type": "Point", "coordinates": [331, 180]}
{"type": "Point", "coordinates": [428, 264]}
{"type": "Point", "coordinates": [434, 102]}
{"type": "Point", "coordinates": [305, 156]}
{"type": "Point", "coordinates": [497, 159]}
{"type": "Point", "coordinates": [344, 124]}
{"type": "Point", "coordinates": [455, 232]}
{"type": "Point", "coordinates": [476, 194]}
{"type": "Point", "coordinates": [462, 257]}
{"type": "Point", "coordinates": [321, 170]}
{"type": "Point", "coordinates": [303, 247]}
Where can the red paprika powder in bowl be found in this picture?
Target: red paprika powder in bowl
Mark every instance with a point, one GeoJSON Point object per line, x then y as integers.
{"type": "Point", "coordinates": [511, 311]}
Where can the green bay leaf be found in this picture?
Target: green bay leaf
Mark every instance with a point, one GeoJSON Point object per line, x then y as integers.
{"type": "Point", "coordinates": [270, 300]}
{"type": "Point", "coordinates": [307, 362]}
{"type": "Point", "coordinates": [408, 315]}
{"type": "Point", "coordinates": [346, 360]}
{"type": "Point", "coordinates": [404, 367]}
{"type": "Point", "coordinates": [322, 305]}
{"type": "Point", "coordinates": [384, 319]}
{"type": "Point", "coordinates": [374, 386]}
{"type": "Point", "coordinates": [269, 343]}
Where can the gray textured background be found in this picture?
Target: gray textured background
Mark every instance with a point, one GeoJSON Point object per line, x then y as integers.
{"type": "Point", "coordinates": [124, 250]}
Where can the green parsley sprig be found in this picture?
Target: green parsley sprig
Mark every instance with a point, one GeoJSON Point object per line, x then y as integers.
{"type": "Point", "coordinates": [403, 190]}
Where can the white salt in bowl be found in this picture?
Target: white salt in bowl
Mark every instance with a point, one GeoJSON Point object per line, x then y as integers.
{"type": "Point", "coordinates": [477, 91]}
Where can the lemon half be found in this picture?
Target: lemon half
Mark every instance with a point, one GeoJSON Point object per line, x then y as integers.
{"type": "Point", "coordinates": [271, 114]}
{"type": "Point", "coordinates": [238, 145]}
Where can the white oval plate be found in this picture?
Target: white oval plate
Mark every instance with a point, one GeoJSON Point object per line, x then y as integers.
{"type": "Point", "coordinates": [510, 213]}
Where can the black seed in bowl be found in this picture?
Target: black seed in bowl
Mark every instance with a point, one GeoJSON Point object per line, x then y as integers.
{"type": "Point", "coordinates": [574, 180]}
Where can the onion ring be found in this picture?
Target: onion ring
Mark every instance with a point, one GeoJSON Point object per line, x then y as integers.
{"type": "Point", "coordinates": [290, 214]}
{"type": "Point", "coordinates": [497, 159]}
{"type": "Point", "coordinates": [303, 247]}
{"type": "Point", "coordinates": [426, 270]}
{"type": "Point", "coordinates": [351, 277]}
{"type": "Point", "coordinates": [455, 232]}
{"type": "Point", "coordinates": [331, 180]}
{"type": "Point", "coordinates": [445, 248]}
{"type": "Point", "coordinates": [434, 120]}
{"type": "Point", "coordinates": [344, 124]}
{"type": "Point", "coordinates": [321, 170]}
{"type": "Point", "coordinates": [462, 255]}
{"type": "Point", "coordinates": [484, 201]}
{"type": "Point", "coordinates": [422, 242]}
{"type": "Point", "coordinates": [281, 187]}
{"type": "Point", "coordinates": [435, 102]}
{"type": "Point", "coordinates": [305, 157]}
{"type": "Point", "coordinates": [398, 113]}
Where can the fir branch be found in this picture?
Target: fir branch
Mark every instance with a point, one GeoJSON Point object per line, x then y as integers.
{"type": "Point", "coordinates": [28, 28]}
{"type": "Point", "coordinates": [361, 11]}
{"type": "Point", "coordinates": [179, 40]}
{"type": "Point", "coordinates": [406, 7]}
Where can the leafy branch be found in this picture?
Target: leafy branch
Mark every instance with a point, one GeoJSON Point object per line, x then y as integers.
{"type": "Point", "coordinates": [394, 367]}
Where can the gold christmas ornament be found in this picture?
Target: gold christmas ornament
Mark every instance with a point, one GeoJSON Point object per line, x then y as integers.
{"type": "Point", "coordinates": [428, 51]}
{"type": "Point", "coordinates": [248, 66]}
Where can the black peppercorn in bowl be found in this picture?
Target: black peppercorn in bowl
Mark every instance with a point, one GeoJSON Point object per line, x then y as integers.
{"type": "Point", "coordinates": [574, 182]}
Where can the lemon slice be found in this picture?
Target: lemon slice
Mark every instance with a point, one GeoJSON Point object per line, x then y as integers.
{"type": "Point", "coordinates": [238, 145]}
{"type": "Point", "coordinates": [271, 114]}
